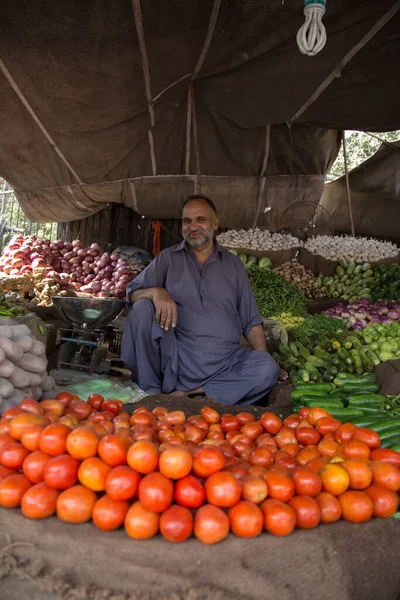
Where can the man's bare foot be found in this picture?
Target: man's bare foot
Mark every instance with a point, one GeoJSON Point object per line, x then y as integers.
{"type": "Point", "coordinates": [180, 393]}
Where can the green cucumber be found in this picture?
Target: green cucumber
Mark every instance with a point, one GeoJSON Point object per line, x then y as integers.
{"type": "Point", "coordinates": [387, 433]}
{"type": "Point", "coordinates": [360, 389]}
{"type": "Point", "coordinates": [322, 387]}
{"type": "Point", "coordinates": [369, 421]}
{"type": "Point", "coordinates": [372, 409]}
{"type": "Point", "coordinates": [366, 399]}
{"type": "Point", "coordinates": [389, 442]}
{"type": "Point", "coordinates": [386, 424]}
{"type": "Point", "coordinates": [396, 447]}
{"type": "Point", "coordinates": [298, 394]}
{"type": "Point", "coordinates": [313, 402]}
{"type": "Point", "coordinates": [346, 414]}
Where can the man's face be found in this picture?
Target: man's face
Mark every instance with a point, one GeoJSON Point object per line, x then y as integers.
{"type": "Point", "coordinates": [198, 224]}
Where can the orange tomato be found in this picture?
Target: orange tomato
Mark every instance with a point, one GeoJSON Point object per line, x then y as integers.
{"type": "Point", "coordinates": [93, 473]}
{"type": "Point", "coordinates": [279, 517]}
{"type": "Point", "coordinates": [331, 510]}
{"type": "Point", "coordinates": [345, 432]}
{"type": "Point", "coordinates": [64, 397]}
{"type": "Point", "coordinates": [327, 425]}
{"type": "Point", "coordinates": [327, 447]}
{"type": "Point", "coordinates": [211, 524]}
{"type": "Point", "coordinates": [286, 436]}
{"type": "Point", "coordinates": [176, 524]}
{"type": "Point", "coordinates": [280, 487]}
{"type": "Point", "coordinates": [223, 489]}
{"type": "Point", "coordinates": [75, 505]}
{"type": "Point", "coordinates": [6, 472]}
{"type": "Point", "coordinates": [156, 492]}
{"type": "Point", "coordinates": [143, 457]}
{"type": "Point", "coordinates": [39, 501]}
{"type": "Point", "coordinates": [292, 422]}
{"type": "Point", "coordinates": [254, 489]}
{"type": "Point", "coordinates": [82, 443]}
{"type": "Point", "coordinates": [13, 454]}
{"type": "Point", "coordinates": [61, 472]}
{"type": "Point", "coordinates": [357, 507]}
{"type": "Point", "coordinates": [309, 453]}
{"type": "Point", "coordinates": [386, 455]}
{"type": "Point", "coordinates": [245, 417]}
{"type": "Point", "coordinates": [31, 406]}
{"type": "Point", "coordinates": [18, 425]}
{"type": "Point", "coordinates": [140, 523]}
{"type": "Point", "coordinates": [315, 414]}
{"type": "Point", "coordinates": [207, 460]}
{"type": "Point", "coordinates": [54, 406]}
{"type": "Point", "coordinates": [385, 501]}
{"type": "Point", "coordinates": [306, 482]}
{"type": "Point", "coordinates": [53, 439]}
{"type": "Point", "coordinates": [369, 437]}
{"type": "Point", "coordinates": [335, 479]}
{"type": "Point", "coordinates": [109, 514]}
{"type": "Point", "coordinates": [354, 449]}
{"type": "Point", "coordinates": [246, 519]}
{"type": "Point", "coordinates": [113, 450]}
{"type": "Point", "coordinates": [175, 463]}
{"type": "Point", "coordinates": [360, 473]}
{"type": "Point", "coordinates": [12, 489]}
{"type": "Point", "coordinates": [189, 492]}
{"type": "Point", "coordinates": [122, 483]}
{"type": "Point", "coordinates": [30, 437]}
{"type": "Point", "coordinates": [386, 475]}
{"type": "Point", "coordinates": [209, 414]}
{"type": "Point", "coordinates": [307, 511]}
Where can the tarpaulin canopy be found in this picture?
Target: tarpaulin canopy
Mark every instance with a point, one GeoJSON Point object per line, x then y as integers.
{"type": "Point", "coordinates": [374, 193]}
{"type": "Point", "coordinates": [131, 102]}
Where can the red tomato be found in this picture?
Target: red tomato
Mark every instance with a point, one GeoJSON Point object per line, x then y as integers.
{"type": "Point", "coordinates": [122, 483]}
{"type": "Point", "coordinates": [306, 481]}
{"type": "Point", "coordinates": [254, 489]}
{"type": "Point", "coordinates": [246, 519]}
{"type": "Point", "coordinates": [13, 454]}
{"type": "Point", "coordinates": [39, 501]}
{"type": "Point", "coordinates": [307, 436]}
{"type": "Point", "coordinates": [369, 437]}
{"type": "Point", "coordinates": [280, 487]}
{"type": "Point", "coordinates": [95, 401]}
{"type": "Point", "coordinates": [189, 492]}
{"type": "Point", "coordinates": [207, 460]}
{"type": "Point", "coordinates": [113, 405]}
{"type": "Point", "coordinates": [156, 492]}
{"type": "Point", "coordinates": [109, 514]}
{"type": "Point", "coordinates": [330, 507]}
{"type": "Point", "coordinates": [12, 489]}
{"type": "Point", "coordinates": [357, 507]}
{"type": "Point", "coordinates": [386, 475]}
{"type": "Point", "coordinates": [385, 455]}
{"type": "Point", "coordinates": [279, 517]}
{"type": "Point", "coordinates": [61, 472]}
{"type": "Point", "coordinates": [75, 505]}
{"type": "Point", "coordinates": [140, 523]}
{"type": "Point", "coordinates": [271, 423]}
{"type": "Point", "coordinates": [211, 524]}
{"type": "Point", "coordinates": [307, 510]}
{"type": "Point", "coordinates": [223, 489]}
{"type": "Point", "coordinates": [34, 466]}
{"type": "Point", "coordinates": [176, 524]}
{"type": "Point", "coordinates": [229, 423]}
{"type": "Point", "coordinates": [209, 414]}
{"type": "Point", "coordinates": [385, 501]}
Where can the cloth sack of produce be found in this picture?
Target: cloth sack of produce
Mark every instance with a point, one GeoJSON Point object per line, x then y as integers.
{"type": "Point", "coordinates": [133, 255]}
{"type": "Point", "coordinates": [23, 365]}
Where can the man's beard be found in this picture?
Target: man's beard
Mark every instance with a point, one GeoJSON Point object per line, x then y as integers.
{"type": "Point", "coordinates": [199, 242]}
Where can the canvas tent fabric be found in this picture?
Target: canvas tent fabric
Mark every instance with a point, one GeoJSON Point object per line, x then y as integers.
{"type": "Point", "coordinates": [374, 192]}
{"type": "Point", "coordinates": [130, 102]}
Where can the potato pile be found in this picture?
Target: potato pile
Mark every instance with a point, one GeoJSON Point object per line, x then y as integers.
{"type": "Point", "coordinates": [23, 365]}
{"type": "Point", "coordinates": [302, 279]}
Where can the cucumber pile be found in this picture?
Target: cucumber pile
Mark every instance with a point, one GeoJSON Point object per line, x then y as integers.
{"type": "Point", "coordinates": [354, 399]}
{"type": "Point", "coordinates": [350, 281]}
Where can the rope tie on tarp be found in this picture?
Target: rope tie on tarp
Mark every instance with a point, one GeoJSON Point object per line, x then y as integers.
{"type": "Point", "coordinates": [156, 226]}
{"type": "Point", "coordinates": [311, 37]}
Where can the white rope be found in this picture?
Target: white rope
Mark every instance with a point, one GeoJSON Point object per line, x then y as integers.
{"type": "Point", "coordinates": [137, 13]}
{"type": "Point", "coordinates": [38, 122]}
{"type": "Point", "coordinates": [311, 37]}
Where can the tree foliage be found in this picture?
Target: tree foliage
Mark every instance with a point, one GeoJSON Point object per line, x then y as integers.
{"type": "Point", "coordinates": [359, 147]}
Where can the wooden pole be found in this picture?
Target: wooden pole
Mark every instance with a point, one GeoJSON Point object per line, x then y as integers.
{"type": "Point", "coordinates": [348, 185]}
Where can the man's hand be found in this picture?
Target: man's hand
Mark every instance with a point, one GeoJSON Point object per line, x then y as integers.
{"type": "Point", "coordinates": [166, 309]}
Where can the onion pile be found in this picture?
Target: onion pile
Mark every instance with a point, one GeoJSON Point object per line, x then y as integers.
{"type": "Point", "coordinates": [359, 250]}
{"type": "Point", "coordinates": [88, 270]}
{"type": "Point", "coordinates": [257, 239]}
{"type": "Point", "coordinates": [361, 314]}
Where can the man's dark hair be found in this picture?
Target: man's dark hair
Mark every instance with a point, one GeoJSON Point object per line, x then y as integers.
{"type": "Point", "coordinates": [201, 197]}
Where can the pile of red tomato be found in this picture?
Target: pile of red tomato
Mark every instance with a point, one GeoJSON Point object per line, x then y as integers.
{"type": "Point", "coordinates": [156, 471]}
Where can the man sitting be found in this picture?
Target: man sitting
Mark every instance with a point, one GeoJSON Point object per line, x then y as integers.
{"type": "Point", "coordinates": [190, 307]}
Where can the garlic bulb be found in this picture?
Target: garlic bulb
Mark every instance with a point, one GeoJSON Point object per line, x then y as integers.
{"type": "Point", "coordinates": [257, 239]}
{"type": "Point", "coordinates": [359, 250]}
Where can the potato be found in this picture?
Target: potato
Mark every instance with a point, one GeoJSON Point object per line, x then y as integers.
{"type": "Point", "coordinates": [11, 349]}
{"type": "Point", "coordinates": [7, 368]}
{"type": "Point", "coordinates": [20, 378]}
{"type": "Point", "coordinates": [2, 355]}
{"type": "Point", "coordinates": [6, 331]}
{"type": "Point", "coordinates": [6, 388]}
{"type": "Point", "coordinates": [38, 348]}
{"type": "Point", "coordinates": [48, 383]}
{"type": "Point", "coordinates": [33, 364]}
{"type": "Point", "coordinates": [19, 330]}
{"type": "Point", "coordinates": [25, 342]}
{"type": "Point", "coordinates": [13, 400]}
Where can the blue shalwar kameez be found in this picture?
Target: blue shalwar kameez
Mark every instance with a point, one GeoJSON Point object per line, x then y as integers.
{"type": "Point", "coordinates": [215, 305]}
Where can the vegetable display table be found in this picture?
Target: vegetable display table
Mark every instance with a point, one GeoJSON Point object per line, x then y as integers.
{"type": "Point", "coordinates": [52, 560]}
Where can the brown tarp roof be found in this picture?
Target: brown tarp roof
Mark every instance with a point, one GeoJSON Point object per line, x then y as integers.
{"type": "Point", "coordinates": [374, 193]}
{"type": "Point", "coordinates": [111, 129]}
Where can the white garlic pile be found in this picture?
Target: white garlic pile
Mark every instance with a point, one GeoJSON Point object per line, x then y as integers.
{"type": "Point", "coordinates": [257, 239]}
{"type": "Point", "coordinates": [359, 250]}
